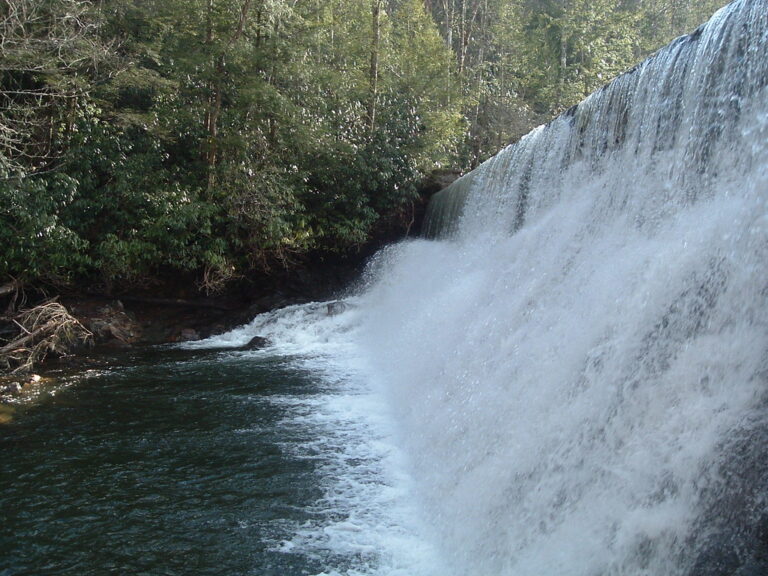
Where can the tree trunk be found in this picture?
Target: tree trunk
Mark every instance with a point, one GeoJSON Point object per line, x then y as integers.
{"type": "Point", "coordinates": [562, 68]}
{"type": "Point", "coordinates": [448, 10]}
{"type": "Point", "coordinates": [213, 102]}
{"type": "Point", "coordinates": [373, 76]}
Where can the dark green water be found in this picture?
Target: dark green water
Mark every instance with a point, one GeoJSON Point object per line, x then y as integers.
{"type": "Point", "coordinates": [170, 464]}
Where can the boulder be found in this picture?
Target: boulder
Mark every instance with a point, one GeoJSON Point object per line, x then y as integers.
{"type": "Point", "coordinates": [255, 343]}
{"type": "Point", "coordinates": [111, 324]}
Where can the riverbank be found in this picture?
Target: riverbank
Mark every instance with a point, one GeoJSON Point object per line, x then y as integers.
{"type": "Point", "coordinates": [167, 307]}
{"type": "Point", "coordinates": [171, 313]}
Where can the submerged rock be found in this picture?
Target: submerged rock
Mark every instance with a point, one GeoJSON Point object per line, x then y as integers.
{"type": "Point", "coordinates": [12, 387]}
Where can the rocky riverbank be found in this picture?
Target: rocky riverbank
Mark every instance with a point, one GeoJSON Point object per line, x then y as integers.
{"type": "Point", "coordinates": [107, 325]}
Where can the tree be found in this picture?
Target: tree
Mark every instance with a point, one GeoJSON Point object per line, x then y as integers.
{"type": "Point", "coordinates": [50, 53]}
{"type": "Point", "coordinates": [373, 76]}
{"type": "Point", "coordinates": [662, 20]}
{"type": "Point", "coordinates": [43, 47]}
{"type": "Point", "coordinates": [216, 137]}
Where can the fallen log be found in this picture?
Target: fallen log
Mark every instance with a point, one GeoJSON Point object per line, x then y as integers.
{"type": "Point", "coordinates": [21, 342]}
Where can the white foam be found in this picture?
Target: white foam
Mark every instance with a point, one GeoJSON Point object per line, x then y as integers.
{"type": "Point", "coordinates": [566, 369]}
{"type": "Point", "coordinates": [366, 522]}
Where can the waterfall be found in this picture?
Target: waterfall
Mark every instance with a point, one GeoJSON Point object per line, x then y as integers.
{"type": "Point", "coordinates": [578, 368]}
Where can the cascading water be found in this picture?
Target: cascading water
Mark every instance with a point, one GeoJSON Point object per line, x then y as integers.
{"type": "Point", "coordinates": [576, 374]}
{"type": "Point", "coordinates": [572, 381]}
{"type": "Point", "coordinates": [579, 369]}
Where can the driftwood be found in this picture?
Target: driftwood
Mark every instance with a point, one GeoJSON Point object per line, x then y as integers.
{"type": "Point", "coordinates": [45, 329]}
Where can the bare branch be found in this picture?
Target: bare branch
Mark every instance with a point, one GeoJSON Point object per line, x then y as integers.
{"type": "Point", "coordinates": [47, 328]}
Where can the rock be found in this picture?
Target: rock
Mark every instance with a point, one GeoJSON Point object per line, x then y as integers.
{"type": "Point", "coordinates": [111, 324]}
{"type": "Point", "coordinates": [335, 308]}
{"type": "Point", "coordinates": [753, 568]}
{"type": "Point", "coordinates": [120, 332]}
{"type": "Point", "coordinates": [255, 343]}
{"type": "Point", "coordinates": [720, 558]}
{"type": "Point", "coordinates": [188, 334]}
{"type": "Point", "coordinates": [12, 388]}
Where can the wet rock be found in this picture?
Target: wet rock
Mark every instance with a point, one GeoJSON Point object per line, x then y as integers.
{"type": "Point", "coordinates": [753, 568]}
{"type": "Point", "coordinates": [256, 343]}
{"type": "Point", "coordinates": [111, 324]}
{"type": "Point", "coordinates": [720, 558]}
{"type": "Point", "coordinates": [189, 334]}
{"type": "Point", "coordinates": [12, 388]}
{"type": "Point", "coordinates": [731, 536]}
{"type": "Point", "coordinates": [336, 308]}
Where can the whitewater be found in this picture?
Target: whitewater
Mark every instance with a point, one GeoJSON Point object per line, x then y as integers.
{"type": "Point", "coordinates": [572, 379]}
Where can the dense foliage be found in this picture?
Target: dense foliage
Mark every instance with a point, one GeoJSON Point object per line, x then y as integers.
{"type": "Point", "coordinates": [215, 137]}
{"type": "Point", "coordinates": [522, 61]}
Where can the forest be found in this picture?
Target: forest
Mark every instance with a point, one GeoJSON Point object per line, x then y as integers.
{"type": "Point", "coordinates": [211, 140]}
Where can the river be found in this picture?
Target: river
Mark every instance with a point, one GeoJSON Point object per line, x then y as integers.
{"type": "Point", "coordinates": [272, 462]}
